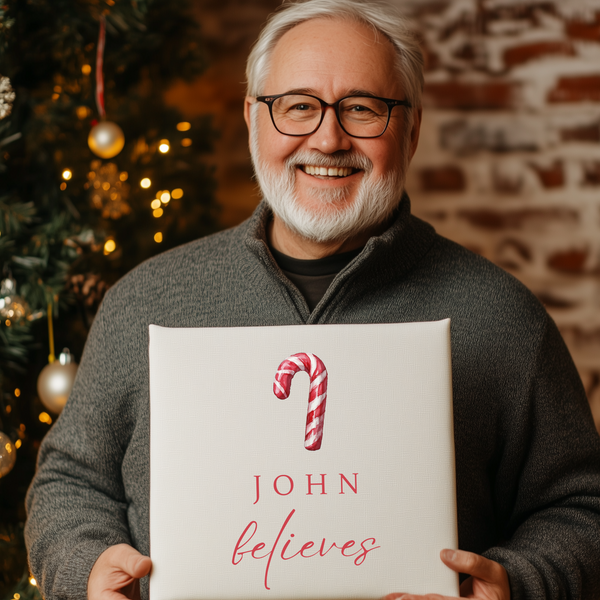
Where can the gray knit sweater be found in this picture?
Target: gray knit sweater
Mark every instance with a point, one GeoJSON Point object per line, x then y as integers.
{"type": "Point", "coordinates": [527, 453]}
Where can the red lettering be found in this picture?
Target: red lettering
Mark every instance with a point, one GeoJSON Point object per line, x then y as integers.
{"type": "Point", "coordinates": [239, 545]}
{"type": "Point", "coordinates": [310, 484]}
{"type": "Point", "coordinates": [349, 544]}
{"type": "Point", "coordinates": [306, 547]}
{"type": "Point", "coordinates": [274, 546]}
{"type": "Point", "coordinates": [353, 488]}
{"type": "Point", "coordinates": [276, 488]}
{"type": "Point", "coordinates": [360, 559]}
{"type": "Point", "coordinates": [256, 549]}
{"type": "Point", "coordinates": [257, 477]}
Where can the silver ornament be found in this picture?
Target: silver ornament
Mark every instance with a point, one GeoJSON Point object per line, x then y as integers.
{"type": "Point", "coordinates": [7, 97]}
{"type": "Point", "coordinates": [106, 139]}
{"type": "Point", "coordinates": [8, 454]}
{"type": "Point", "coordinates": [56, 381]}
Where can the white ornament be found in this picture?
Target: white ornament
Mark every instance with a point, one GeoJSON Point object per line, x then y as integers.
{"type": "Point", "coordinates": [106, 139]}
{"type": "Point", "coordinates": [56, 381]}
{"type": "Point", "coordinates": [8, 454]}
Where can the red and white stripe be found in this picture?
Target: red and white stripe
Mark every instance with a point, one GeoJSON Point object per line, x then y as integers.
{"type": "Point", "coordinates": [317, 395]}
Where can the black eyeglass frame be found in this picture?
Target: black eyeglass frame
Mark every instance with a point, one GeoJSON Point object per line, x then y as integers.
{"type": "Point", "coordinates": [268, 100]}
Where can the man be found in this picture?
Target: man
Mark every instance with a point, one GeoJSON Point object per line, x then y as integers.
{"type": "Point", "coordinates": [333, 113]}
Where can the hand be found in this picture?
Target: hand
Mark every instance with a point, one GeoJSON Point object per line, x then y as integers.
{"type": "Point", "coordinates": [116, 574]}
{"type": "Point", "coordinates": [488, 580]}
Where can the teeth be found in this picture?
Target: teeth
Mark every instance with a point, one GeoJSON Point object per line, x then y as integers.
{"type": "Point", "coordinates": [328, 171]}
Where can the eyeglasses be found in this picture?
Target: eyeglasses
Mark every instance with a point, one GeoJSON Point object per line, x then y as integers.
{"type": "Point", "coordinates": [358, 116]}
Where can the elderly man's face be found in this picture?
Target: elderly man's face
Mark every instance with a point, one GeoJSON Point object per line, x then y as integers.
{"type": "Point", "coordinates": [332, 59]}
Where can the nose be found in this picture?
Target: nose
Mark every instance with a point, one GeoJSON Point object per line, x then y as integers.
{"type": "Point", "coordinates": [330, 137]}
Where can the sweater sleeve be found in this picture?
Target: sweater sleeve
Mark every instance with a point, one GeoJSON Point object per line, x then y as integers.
{"type": "Point", "coordinates": [76, 504]}
{"type": "Point", "coordinates": [551, 519]}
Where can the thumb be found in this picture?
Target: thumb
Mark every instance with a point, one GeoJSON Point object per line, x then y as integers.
{"type": "Point", "coordinates": [135, 564]}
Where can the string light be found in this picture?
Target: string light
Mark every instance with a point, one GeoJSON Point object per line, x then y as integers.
{"type": "Point", "coordinates": [82, 112]}
{"type": "Point", "coordinates": [7, 322]}
{"type": "Point", "coordinates": [155, 204]}
{"type": "Point", "coordinates": [17, 596]}
{"type": "Point", "coordinates": [8, 409]}
{"type": "Point", "coordinates": [67, 174]}
{"type": "Point", "coordinates": [63, 186]}
{"type": "Point", "coordinates": [32, 581]}
{"type": "Point", "coordinates": [158, 237]}
{"type": "Point", "coordinates": [185, 142]}
{"type": "Point", "coordinates": [157, 213]}
{"type": "Point", "coordinates": [86, 69]}
{"type": "Point", "coordinates": [18, 444]}
{"type": "Point", "coordinates": [123, 175]}
{"type": "Point", "coordinates": [17, 392]}
{"type": "Point", "coordinates": [164, 146]}
{"type": "Point", "coordinates": [183, 126]}
{"type": "Point", "coordinates": [165, 197]}
{"type": "Point", "coordinates": [45, 418]}
{"type": "Point", "coordinates": [177, 193]}
{"type": "Point", "coordinates": [109, 246]}
{"type": "Point", "coordinates": [145, 183]}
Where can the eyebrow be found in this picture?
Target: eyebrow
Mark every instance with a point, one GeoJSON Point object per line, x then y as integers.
{"type": "Point", "coordinates": [312, 92]}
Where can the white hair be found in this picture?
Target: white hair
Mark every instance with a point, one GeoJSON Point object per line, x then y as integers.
{"type": "Point", "coordinates": [384, 18]}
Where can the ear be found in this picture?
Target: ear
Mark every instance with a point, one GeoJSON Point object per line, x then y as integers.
{"type": "Point", "coordinates": [416, 129]}
{"type": "Point", "coordinates": [248, 102]}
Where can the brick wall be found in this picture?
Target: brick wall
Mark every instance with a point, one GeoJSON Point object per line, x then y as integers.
{"type": "Point", "coordinates": [509, 159]}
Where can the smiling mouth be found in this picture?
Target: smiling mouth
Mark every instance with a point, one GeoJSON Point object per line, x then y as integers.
{"type": "Point", "coordinates": [328, 172]}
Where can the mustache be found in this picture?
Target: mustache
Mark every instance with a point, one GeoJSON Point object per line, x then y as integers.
{"type": "Point", "coordinates": [353, 160]}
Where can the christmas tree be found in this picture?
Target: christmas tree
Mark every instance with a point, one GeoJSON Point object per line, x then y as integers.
{"type": "Point", "coordinates": [84, 197]}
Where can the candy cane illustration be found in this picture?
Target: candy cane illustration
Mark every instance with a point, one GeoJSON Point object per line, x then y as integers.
{"type": "Point", "coordinates": [317, 394]}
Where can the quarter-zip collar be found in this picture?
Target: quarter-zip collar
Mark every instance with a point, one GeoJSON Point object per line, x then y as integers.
{"type": "Point", "coordinates": [384, 258]}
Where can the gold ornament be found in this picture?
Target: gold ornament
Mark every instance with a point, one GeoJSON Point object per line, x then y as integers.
{"type": "Point", "coordinates": [55, 382]}
{"type": "Point", "coordinates": [8, 454]}
{"type": "Point", "coordinates": [106, 139]}
{"type": "Point", "coordinates": [12, 307]}
{"type": "Point", "coordinates": [108, 190]}
{"type": "Point", "coordinates": [7, 97]}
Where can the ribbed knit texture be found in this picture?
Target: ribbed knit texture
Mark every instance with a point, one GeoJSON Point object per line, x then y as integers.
{"type": "Point", "coordinates": [527, 453]}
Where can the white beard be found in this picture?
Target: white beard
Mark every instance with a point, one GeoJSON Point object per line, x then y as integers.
{"type": "Point", "coordinates": [336, 220]}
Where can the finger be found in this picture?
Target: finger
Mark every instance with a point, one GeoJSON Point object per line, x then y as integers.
{"type": "Point", "coordinates": [472, 564]}
{"type": "Point", "coordinates": [133, 563]}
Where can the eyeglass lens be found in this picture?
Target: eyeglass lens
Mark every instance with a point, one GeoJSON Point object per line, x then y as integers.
{"type": "Point", "coordinates": [301, 115]}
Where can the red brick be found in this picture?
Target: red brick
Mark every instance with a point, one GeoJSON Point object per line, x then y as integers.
{"type": "Point", "coordinates": [551, 177]}
{"type": "Point", "coordinates": [551, 301]}
{"type": "Point", "coordinates": [576, 89]}
{"type": "Point", "coordinates": [515, 219]}
{"type": "Point", "coordinates": [584, 30]}
{"type": "Point", "coordinates": [569, 261]}
{"type": "Point", "coordinates": [518, 55]}
{"type": "Point", "coordinates": [591, 173]}
{"type": "Point", "coordinates": [506, 185]}
{"type": "Point", "coordinates": [584, 133]}
{"type": "Point", "coordinates": [492, 95]}
{"type": "Point", "coordinates": [466, 52]}
{"type": "Point", "coordinates": [448, 178]}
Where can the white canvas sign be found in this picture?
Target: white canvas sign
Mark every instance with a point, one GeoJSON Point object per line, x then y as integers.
{"type": "Point", "coordinates": [344, 489]}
